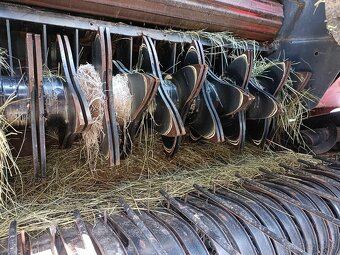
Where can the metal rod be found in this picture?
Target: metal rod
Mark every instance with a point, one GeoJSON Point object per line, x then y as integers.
{"type": "Point", "coordinates": [9, 45]}
{"type": "Point", "coordinates": [45, 45]}
{"type": "Point", "coordinates": [76, 48]}
{"type": "Point", "coordinates": [173, 64]}
{"type": "Point", "coordinates": [131, 52]}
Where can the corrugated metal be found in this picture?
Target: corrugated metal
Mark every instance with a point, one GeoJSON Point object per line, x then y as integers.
{"type": "Point", "coordinates": [253, 19]}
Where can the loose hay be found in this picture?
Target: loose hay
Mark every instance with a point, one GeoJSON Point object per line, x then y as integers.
{"type": "Point", "coordinates": [71, 186]}
{"type": "Point", "coordinates": [8, 166]}
{"type": "Point", "coordinates": [92, 87]}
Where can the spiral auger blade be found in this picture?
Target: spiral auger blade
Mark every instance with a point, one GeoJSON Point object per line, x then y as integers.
{"type": "Point", "coordinates": [270, 84]}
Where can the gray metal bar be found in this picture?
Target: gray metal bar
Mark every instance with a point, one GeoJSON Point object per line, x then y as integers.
{"type": "Point", "coordinates": [9, 45]}
{"type": "Point", "coordinates": [173, 63]}
{"type": "Point", "coordinates": [131, 52]}
{"type": "Point", "coordinates": [76, 48]}
{"type": "Point", "coordinates": [45, 44]}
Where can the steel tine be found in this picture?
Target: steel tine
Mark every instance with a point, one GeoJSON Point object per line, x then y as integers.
{"type": "Point", "coordinates": [85, 236]}
{"type": "Point", "coordinates": [41, 105]}
{"type": "Point", "coordinates": [265, 230]}
{"type": "Point", "coordinates": [9, 45]}
{"type": "Point", "coordinates": [334, 162]}
{"type": "Point", "coordinates": [12, 239]}
{"type": "Point", "coordinates": [313, 165]}
{"type": "Point", "coordinates": [228, 249]}
{"type": "Point", "coordinates": [300, 185]}
{"type": "Point", "coordinates": [286, 198]}
{"type": "Point", "coordinates": [310, 175]}
{"type": "Point", "coordinates": [140, 224]}
{"type": "Point", "coordinates": [32, 105]}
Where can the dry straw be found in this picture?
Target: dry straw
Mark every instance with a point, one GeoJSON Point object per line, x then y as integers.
{"type": "Point", "coordinates": [8, 166]}
{"type": "Point", "coordinates": [92, 87]}
{"type": "Point", "coordinates": [138, 179]}
{"type": "Point", "coordinates": [122, 98]}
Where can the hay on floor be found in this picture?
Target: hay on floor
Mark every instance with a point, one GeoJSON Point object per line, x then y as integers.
{"type": "Point", "coordinates": [71, 186]}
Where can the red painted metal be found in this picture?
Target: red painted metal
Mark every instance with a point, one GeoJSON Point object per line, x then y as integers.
{"type": "Point", "coordinates": [252, 19]}
{"type": "Point", "coordinates": [330, 101]}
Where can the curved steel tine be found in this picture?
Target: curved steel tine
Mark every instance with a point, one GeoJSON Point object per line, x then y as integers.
{"type": "Point", "coordinates": [62, 246]}
{"type": "Point", "coordinates": [85, 236]}
{"type": "Point", "coordinates": [332, 230]}
{"type": "Point", "coordinates": [281, 215]}
{"type": "Point", "coordinates": [157, 72]}
{"type": "Point", "coordinates": [232, 226]}
{"type": "Point", "coordinates": [184, 232]}
{"type": "Point", "coordinates": [318, 223]}
{"type": "Point", "coordinates": [79, 123]}
{"type": "Point", "coordinates": [25, 243]}
{"type": "Point", "coordinates": [140, 224]}
{"type": "Point", "coordinates": [44, 243]}
{"type": "Point", "coordinates": [200, 51]}
{"type": "Point", "coordinates": [228, 206]}
{"type": "Point", "coordinates": [335, 207]}
{"type": "Point", "coordinates": [316, 170]}
{"type": "Point", "coordinates": [328, 207]}
{"type": "Point", "coordinates": [75, 83]}
{"type": "Point", "coordinates": [320, 177]}
{"type": "Point", "coordinates": [206, 224]}
{"type": "Point", "coordinates": [266, 108]}
{"type": "Point", "coordinates": [12, 245]}
{"type": "Point", "coordinates": [134, 240]}
{"type": "Point", "coordinates": [162, 233]}
{"type": "Point", "coordinates": [106, 239]}
{"type": "Point", "coordinates": [327, 160]}
{"type": "Point", "coordinates": [32, 105]}
{"type": "Point", "coordinates": [265, 189]}
{"type": "Point", "coordinates": [161, 97]}
{"type": "Point", "coordinates": [263, 215]}
{"type": "Point", "coordinates": [303, 234]}
{"type": "Point", "coordinates": [317, 166]}
{"type": "Point", "coordinates": [207, 95]}
{"type": "Point", "coordinates": [71, 241]}
{"type": "Point", "coordinates": [120, 66]}
{"type": "Point", "coordinates": [261, 241]}
{"type": "Point", "coordinates": [99, 62]}
{"type": "Point", "coordinates": [41, 110]}
{"type": "Point", "coordinates": [300, 185]}
{"type": "Point", "coordinates": [109, 92]}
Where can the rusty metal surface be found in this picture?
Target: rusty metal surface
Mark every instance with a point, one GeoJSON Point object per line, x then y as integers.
{"type": "Point", "coordinates": [255, 19]}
